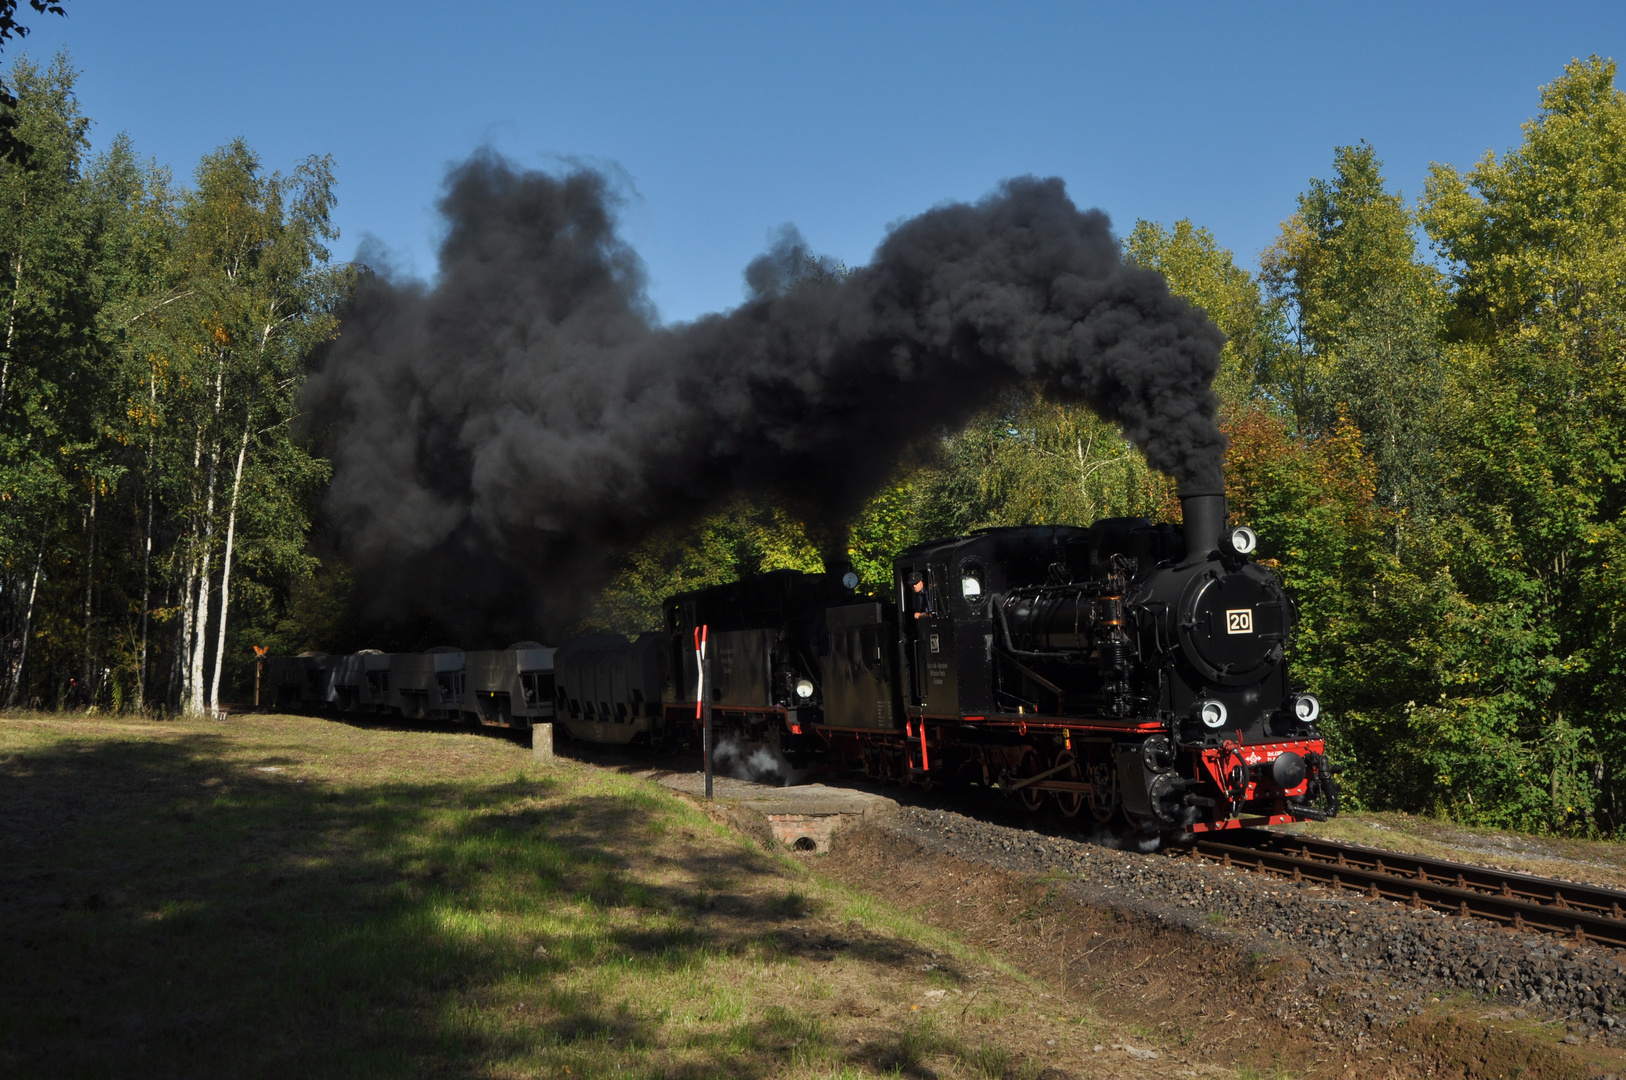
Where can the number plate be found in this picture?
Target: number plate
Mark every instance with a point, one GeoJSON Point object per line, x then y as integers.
{"type": "Point", "coordinates": [1239, 621]}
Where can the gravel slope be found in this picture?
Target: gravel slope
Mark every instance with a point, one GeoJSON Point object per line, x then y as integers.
{"type": "Point", "coordinates": [1384, 960]}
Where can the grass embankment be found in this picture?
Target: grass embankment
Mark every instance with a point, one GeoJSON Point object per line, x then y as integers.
{"type": "Point", "coordinates": [296, 897]}
{"type": "Point", "coordinates": [1597, 862]}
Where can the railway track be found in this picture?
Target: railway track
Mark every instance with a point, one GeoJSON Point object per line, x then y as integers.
{"type": "Point", "coordinates": [1517, 901]}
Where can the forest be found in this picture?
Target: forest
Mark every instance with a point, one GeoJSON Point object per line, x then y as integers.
{"type": "Point", "coordinates": [1425, 400]}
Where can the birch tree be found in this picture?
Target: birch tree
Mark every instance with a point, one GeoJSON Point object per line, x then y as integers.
{"type": "Point", "coordinates": [256, 295]}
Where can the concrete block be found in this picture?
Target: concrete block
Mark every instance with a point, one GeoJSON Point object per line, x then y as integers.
{"type": "Point", "coordinates": [542, 743]}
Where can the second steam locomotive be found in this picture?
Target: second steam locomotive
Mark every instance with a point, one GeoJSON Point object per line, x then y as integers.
{"type": "Point", "coordinates": [1129, 673]}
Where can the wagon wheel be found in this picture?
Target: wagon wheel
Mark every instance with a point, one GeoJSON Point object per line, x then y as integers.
{"type": "Point", "coordinates": [1104, 797]}
{"type": "Point", "coordinates": [886, 766]}
{"type": "Point", "coordinates": [1070, 803]}
{"type": "Point", "coordinates": [1031, 798]}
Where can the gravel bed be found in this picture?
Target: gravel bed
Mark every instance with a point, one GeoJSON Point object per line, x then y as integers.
{"type": "Point", "coordinates": [1384, 959]}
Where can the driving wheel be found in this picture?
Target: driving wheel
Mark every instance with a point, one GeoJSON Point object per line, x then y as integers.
{"type": "Point", "coordinates": [1104, 796]}
{"type": "Point", "coordinates": [1031, 798]}
{"type": "Point", "coordinates": [1069, 803]}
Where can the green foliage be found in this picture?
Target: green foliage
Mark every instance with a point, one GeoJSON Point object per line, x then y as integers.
{"type": "Point", "coordinates": [1464, 621]}
{"type": "Point", "coordinates": [1367, 320]}
{"type": "Point", "coordinates": [154, 342]}
{"type": "Point", "coordinates": [1026, 462]}
{"type": "Point", "coordinates": [1037, 463]}
{"type": "Point", "coordinates": [1534, 238]}
{"type": "Point", "coordinates": [1536, 462]}
{"type": "Point", "coordinates": [740, 540]}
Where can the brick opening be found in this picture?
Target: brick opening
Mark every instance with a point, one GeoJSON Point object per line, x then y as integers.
{"type": "Point", "coordinates": [804, 832]}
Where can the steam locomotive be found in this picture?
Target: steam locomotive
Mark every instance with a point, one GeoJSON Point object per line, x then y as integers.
{"type": "Point", "coordinates": [1132, 670]}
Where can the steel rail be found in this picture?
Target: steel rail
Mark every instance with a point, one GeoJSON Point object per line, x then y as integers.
{"type": "Point", "coordinates": [1519, 901]}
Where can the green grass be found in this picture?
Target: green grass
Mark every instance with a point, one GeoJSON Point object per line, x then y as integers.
{"type": "Point", "coordinates": [293, 897]}
{"type": "Point", "coordinates": [1249, 1072]}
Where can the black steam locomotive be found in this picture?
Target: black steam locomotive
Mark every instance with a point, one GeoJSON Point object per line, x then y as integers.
{"type": "Point", "coordinates": [1130, 669]}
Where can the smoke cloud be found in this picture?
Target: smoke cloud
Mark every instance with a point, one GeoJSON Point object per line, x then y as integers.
{"type": "Point", "coordinates": [742, 761]}
{"type": "Point", "coordinates": [496, 434]}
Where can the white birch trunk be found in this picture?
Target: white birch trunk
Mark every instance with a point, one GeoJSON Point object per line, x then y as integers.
{"type": "Point", "coordinates": [28, 625]}
{"type": "Point", "coordinates": [90, 591]}
{"type": "Point", "coordinates": [225, 570]}
{"type": "Point", "coordinates": [200, 621]}
{"type": "Point", "coordinates": [11, 323]}
{"type": "Point", "coordinates": [200, 624]}
{"type": "Point", "coordinates": [146, 562]}
{"type": "Point", "coordinates": [183, 657]}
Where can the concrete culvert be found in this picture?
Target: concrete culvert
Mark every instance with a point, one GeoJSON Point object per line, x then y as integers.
{"type": "Point", "coordinates": [806, 843]}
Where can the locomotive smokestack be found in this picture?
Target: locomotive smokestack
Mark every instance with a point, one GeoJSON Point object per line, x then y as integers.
{"type": "Point", "coordinates": [1204, 516]}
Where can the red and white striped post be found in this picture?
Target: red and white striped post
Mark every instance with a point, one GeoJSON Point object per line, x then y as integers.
{"type": "Point", "coordinates": [702, 703]}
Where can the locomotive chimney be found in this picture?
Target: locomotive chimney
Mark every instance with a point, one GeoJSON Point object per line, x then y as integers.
{"type": "Point", "coordinates": [1204, 517]}
{"type": "Point", "coordinates": [838, 565]}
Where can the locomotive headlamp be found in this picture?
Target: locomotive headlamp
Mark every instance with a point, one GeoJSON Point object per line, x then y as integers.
{"type": "Point", "coordinates": [804, 689]}
{"type": "Point", "coordinates": [1244, 540]}
{"type": "Point", "coordinates": [1306, 707]}
{"type": "Point", "coordinates": [1212, 713]}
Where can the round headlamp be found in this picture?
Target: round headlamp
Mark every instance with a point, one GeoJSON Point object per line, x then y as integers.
{"type": "Point", "coordinates": [1212, 713]}
{"type": "Point", "coordinates": [1244, 540]}
{"type": "Point", "coordinates": [804, 689]}
{"type": "Point", "coordinates": [1306, 707]}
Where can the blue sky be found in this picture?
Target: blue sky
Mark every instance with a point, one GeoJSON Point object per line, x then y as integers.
{"type": "Point", "coordinates": [728, 120]}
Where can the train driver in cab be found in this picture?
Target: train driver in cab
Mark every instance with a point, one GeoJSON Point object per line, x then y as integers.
{"type": "Point", "coordinates": [920, 598]}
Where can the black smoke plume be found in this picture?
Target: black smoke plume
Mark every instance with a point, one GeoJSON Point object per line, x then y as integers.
{"type": "Point", "coordinates": [499, 435]}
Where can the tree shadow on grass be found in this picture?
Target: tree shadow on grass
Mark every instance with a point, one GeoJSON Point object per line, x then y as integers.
{"type": "Point", "coordinates": [169, 912]}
